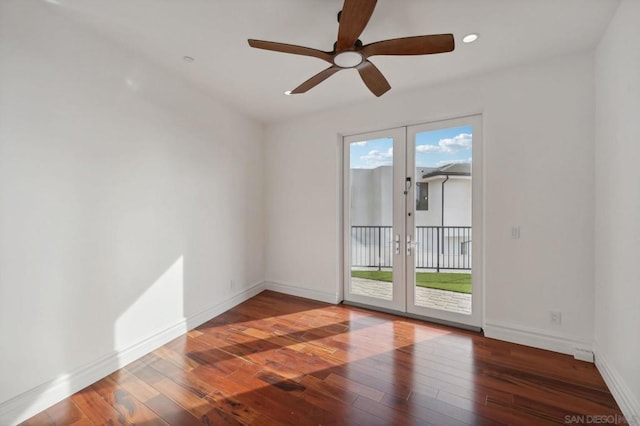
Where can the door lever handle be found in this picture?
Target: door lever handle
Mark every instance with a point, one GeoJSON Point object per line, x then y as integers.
{"type": "Point", "coordinates": [410, 244]}
{"type": "Point", "coordinates": [407, 185]}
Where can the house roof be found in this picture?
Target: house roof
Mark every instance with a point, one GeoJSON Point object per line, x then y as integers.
{"type": "Point", "coordinates": [452, 169]}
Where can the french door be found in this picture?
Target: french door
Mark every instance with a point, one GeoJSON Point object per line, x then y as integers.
{"type": "Point", "coordinates": [412, 220]}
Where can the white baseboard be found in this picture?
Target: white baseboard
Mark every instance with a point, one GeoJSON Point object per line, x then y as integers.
{"type": "Point", "coordinates": [213, 311]}
{"type": "Point", "coordinates": [627, 402]}
{"type": "Point", "coordinates": [529, 336]}
{"type": "Point", "coordinates": [295, 290]}
{"type": "Point", "coordinates": [35, 400]}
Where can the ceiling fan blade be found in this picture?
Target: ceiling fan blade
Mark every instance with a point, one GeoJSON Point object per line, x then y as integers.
{"type": "Point", "coordinates": [315, 80]}
{"type": "Point", "coordinates": [291, 48]}
{"type": "Point", "coordinates": [353, 19]}
{"type": "Point", "coordinates": [419, 45]}
{"type": "Point", "coordinates": [373, 78]}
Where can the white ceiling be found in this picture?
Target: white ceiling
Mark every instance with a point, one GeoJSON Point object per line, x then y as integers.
{"type": "Point", "coordinates": [215, 33]}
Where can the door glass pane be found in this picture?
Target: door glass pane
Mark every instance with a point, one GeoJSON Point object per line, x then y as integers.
{"type": "Point", "coordinates": [443, 219]}
{"type": "Point", "coordinates": [371, 215]}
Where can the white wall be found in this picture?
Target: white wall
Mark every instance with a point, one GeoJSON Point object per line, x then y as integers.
{"type": "Point", "coordinates": [617, 207]}
{"type": "Point", "coordinates": [538, 153]}
{"type": "Point", "coordinates": [128, 202]}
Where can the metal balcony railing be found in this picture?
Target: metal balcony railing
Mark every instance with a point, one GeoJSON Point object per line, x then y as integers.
{"type": "Point", "coordinates": [437, 247]}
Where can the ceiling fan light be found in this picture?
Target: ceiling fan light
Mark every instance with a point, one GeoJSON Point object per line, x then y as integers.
{"type": "Point", "coordinates": [348, 59]}
{"type": "Point", "coordinates": [470, 38]}
{"type": "Point", "coordinates": [348, 51]}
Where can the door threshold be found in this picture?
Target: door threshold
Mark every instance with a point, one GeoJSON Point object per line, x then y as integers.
{"type": "Point", "coordinates": [415, 316]}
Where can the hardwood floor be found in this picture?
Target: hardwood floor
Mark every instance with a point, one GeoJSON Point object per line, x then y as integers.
{"type": "Point", "coordinates": [279, 359]}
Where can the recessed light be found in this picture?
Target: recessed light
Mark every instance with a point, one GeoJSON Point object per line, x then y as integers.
{"type": "Point", "coordinates": [187, 59]}
{"type": "Point", "coordinates": [288, 93]}
{"type": "Point", "coordinates": [470, 38]}
{"type": "Point", "coordinates": [132, 84]}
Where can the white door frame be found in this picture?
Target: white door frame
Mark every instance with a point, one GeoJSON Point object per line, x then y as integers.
{"type": "Point", "coordinates": [476, 317]}
{"type": "Point", "coordinates": [403, 222]}
{"type": "Point", "coordinates": [398, 302]}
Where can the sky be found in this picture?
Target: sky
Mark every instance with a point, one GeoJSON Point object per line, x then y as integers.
{"type": "Point", "coordinates": [433, 149]}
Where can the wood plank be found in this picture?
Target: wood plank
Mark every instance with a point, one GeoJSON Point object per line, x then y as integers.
{"type": "Point", "coordinates": [96, 408]}
{"type": "Point", "coordinates": [65, 412]}
{"type": "Point", "coordinates": [129, 408]}
{"type": "Point", "coordinates": [170, 412]}
{"type": "Point", "coordinates": [194, 404]}
{"type": "Point", "coordinates": [355, 387]}
{"type": "Point", "coordinates": [386, 413]}
{"type": "Point", "coordinates": [284, 404]}
{"type": "Point", "coordinates": [136, 387]}
{"type": "Point", "coordinates": [227, 410]}
{"type": "Point", "coordinates": [278, 359]}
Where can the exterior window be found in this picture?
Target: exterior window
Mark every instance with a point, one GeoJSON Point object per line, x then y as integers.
{"type": "Point", "coordinates": [422, 196]}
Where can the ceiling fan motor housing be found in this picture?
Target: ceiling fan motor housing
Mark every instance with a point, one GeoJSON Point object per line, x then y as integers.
{"type": "Point", "coordinates": [349, 51]}
{"type": "Point", "coordinates": [357, 45]}
{"type": "Point", "coordinates": [348, 59]}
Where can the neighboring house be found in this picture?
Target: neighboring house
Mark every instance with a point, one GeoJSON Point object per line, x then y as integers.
{"type": "Point", "coordinates": [443, 196]}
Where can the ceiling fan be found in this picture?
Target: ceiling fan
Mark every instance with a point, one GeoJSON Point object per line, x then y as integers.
{"type": "Point", "coordinates": [349, 52]}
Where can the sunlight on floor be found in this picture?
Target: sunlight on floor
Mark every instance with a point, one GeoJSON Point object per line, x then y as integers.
{"type": "Point", "coordinates": [343, 340]}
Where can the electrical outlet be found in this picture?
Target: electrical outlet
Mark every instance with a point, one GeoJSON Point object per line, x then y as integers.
{"type": "Point", "coordinates": [556, 317]}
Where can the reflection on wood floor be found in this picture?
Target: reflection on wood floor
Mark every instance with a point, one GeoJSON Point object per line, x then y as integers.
{"type": "Point", "coordinates": [279, 359]}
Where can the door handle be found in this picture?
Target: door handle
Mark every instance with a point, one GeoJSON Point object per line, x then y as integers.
{"type": "Point", "coordinates": [410, 244]}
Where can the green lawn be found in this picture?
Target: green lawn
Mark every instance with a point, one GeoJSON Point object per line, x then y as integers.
{"type": "Point", "coordinates": [460, 283]}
